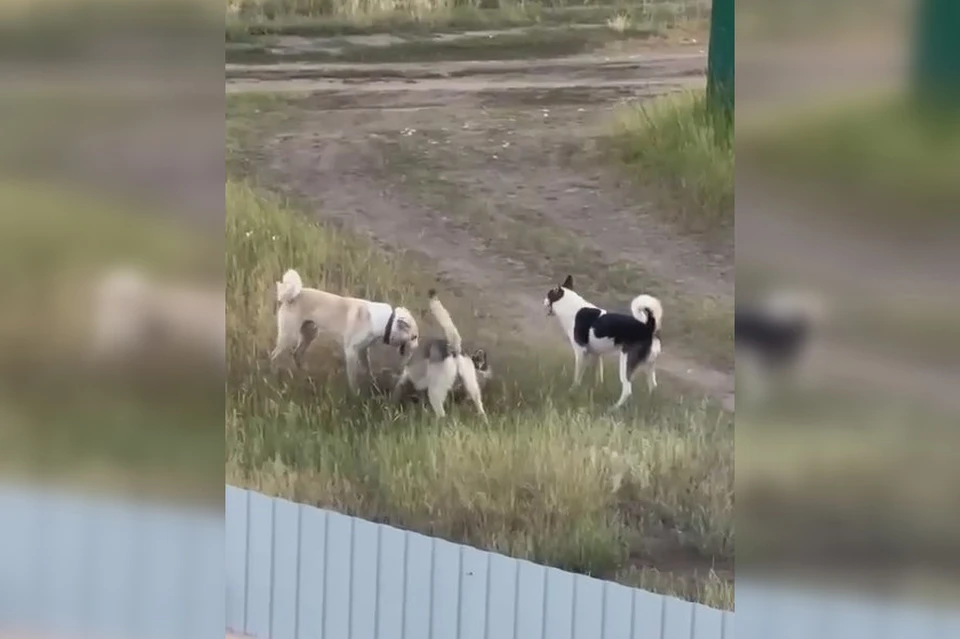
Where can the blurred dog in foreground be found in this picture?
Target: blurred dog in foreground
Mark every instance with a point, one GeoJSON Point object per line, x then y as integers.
{"type": "Point", "coordinates": [438, 364]}
{"type": "Point", "coordinates": [773, 336]}
{"type": "Point", "coordinates": [304, 312]}
{"type": "Point", "coordinates": [134, 313]}
{"type": "Point", "coordinates": [594, 332]}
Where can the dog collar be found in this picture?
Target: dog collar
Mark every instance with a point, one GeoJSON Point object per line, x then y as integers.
{"type": "Point", "coordinates": [389, 328]}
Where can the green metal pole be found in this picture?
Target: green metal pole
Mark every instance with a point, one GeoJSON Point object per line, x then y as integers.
{"type": "Point", "coordinates": [936, 55]}
{"type": "Point", "coordinates": [720, 59]}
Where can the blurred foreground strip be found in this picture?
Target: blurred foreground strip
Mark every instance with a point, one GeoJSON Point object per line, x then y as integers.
{"type": "Point", "coordinates": [74, 565]}
{"type": "Point", "coordinates": [848, 186]}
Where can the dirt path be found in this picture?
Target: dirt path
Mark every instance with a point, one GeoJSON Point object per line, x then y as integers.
{"type": "Point", "coordinates": [487, 168]}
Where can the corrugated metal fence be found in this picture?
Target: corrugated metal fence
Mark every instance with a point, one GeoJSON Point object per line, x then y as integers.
{"type": "Point", "coordinates": [296, 572]}
{"type": "Point", "coordinates": [75, 565]}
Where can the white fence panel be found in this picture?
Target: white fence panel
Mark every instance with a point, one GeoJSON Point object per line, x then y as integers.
{"type": "Point", "coordinates": [75, 565]}
{"type": "Point", "coordinates": [79, 565]}
{"type": "Point", "coordinates": [297, 572]}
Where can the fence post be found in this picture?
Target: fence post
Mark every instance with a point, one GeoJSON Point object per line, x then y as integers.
{"type": "Point", "coordinates": [936, 54]}
{"type": "Point", "coordinates": [720, 59]}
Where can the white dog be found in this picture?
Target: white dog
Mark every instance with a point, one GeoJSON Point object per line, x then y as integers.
{"type": "Point", "coordinates": [303, 312]}
{"type": "Point", "coordinates": [593, 332]}
{"type": "Point", "coordinates": [438, 364]}
{"type": "Point", "coordinates": [134, 312]}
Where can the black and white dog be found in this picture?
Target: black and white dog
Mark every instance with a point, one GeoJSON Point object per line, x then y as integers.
{"type": "Point", "coordinates": [773, 335]}
{"type": "Point", "coordinates": [594, 332]}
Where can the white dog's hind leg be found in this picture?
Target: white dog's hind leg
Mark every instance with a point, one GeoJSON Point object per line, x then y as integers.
{"type": "Point", "coordinates": [468, 373]}
{"type": "Point", "coordinates": [626, 387]}
{"type": "Point", "coordinates": [286, 343]}
{"type": "Point", "coordinates": [288, 334]}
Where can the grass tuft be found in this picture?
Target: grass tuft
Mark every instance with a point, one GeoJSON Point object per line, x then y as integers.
{"type": "Point", "coordinates": [675, 143]}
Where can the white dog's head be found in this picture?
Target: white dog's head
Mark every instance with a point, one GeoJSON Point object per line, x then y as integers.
{"type": "Point", "coordinates": [404, 333]}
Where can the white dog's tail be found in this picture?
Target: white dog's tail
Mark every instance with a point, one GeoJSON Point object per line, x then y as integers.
{"type": "Point", "coordinates": [446, 322]}
{"type": "Point", "coordinates": [648, 309]}
{"type": "Point", "coordinates": [289, 288]}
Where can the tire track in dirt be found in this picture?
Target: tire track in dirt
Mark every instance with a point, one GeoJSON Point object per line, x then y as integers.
{"type": "Point", "coordinates": [376, 169]}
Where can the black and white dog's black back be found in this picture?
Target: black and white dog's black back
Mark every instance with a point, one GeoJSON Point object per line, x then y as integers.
{"type": "Point", "coordinates": [594, 332]}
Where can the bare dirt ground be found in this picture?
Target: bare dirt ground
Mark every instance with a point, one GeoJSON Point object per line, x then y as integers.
{"type": "Point", "coordinates": [490, 169]}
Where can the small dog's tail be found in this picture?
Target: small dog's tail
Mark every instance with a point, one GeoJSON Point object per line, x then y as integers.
{"type": "Point", "coordinates": [649, 310]}
{"type": "Point", "coordinates": [289, 288]}
{"type": "Point", "coordinates": [446, 323]}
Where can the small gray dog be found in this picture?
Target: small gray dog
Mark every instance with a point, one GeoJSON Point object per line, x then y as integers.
{"type": "Point", "coordinates": [436, 365]}
{"type": "Point", "coordinates": [388, 378]}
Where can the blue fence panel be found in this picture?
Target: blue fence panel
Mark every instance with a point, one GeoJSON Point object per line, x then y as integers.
{"type": "Point", "coordinates": [446, 589]}
{"type": "Point", "coordinates": [311, 604]}
{"type": "Point", "coordinates": [73, 564]}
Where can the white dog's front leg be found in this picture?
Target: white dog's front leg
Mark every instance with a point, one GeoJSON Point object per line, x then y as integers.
{"type": "Point", "coordinates": [625, 385]}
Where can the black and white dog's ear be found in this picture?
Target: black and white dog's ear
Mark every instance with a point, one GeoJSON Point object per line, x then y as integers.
{"type": "Point", "coordinates": [568, 283]}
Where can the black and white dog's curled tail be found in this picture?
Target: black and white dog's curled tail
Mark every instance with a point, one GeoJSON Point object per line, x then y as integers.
{"type": "Point", "coordinates": [649, 310]}
{"type": "Point", "coordinates": [446, 323]}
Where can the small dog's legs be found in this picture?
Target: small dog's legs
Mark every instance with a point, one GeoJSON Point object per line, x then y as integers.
{"type": "Point", "coordinates": [468, 373]}
{"type": "Point", "coordinates": [288, 334]}
{"type": "Point", "coordinates": [442, 378]}
{"type": "Point", "coordinates": [651, 377]}
{"type": "Point", "coordinates": [400, 388]}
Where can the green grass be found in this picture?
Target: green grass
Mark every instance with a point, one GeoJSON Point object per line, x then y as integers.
{"type": "Point", "coordinates": [894, 162]}
{"type": "Point", "coordinates": [673, 144]}
{"type": "Point", "coordinates": [247, 19]}
{"type": "Point", "coordinates": [553, 477]}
